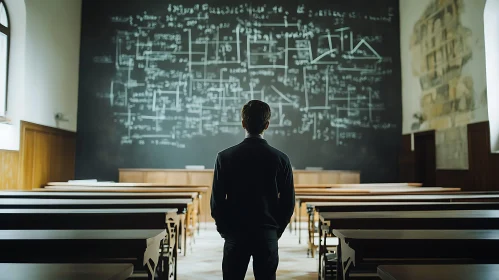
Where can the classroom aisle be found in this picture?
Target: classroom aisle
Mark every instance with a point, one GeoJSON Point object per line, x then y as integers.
{"type": "Point", "coordinates": [205, 260]}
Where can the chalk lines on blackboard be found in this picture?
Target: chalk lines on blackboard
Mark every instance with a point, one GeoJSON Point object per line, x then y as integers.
{"type": "Point", "coordinates": [194, 78]}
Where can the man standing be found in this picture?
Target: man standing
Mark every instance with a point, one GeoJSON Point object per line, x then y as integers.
{"type": "Point", "coordinates": [252, 198]}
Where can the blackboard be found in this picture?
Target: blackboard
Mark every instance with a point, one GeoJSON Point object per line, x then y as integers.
{"type": "Point", "coordinates": [162, 83]}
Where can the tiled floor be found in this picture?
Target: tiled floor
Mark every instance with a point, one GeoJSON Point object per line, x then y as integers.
{"type": "Point", "coordinates": [204, 262]}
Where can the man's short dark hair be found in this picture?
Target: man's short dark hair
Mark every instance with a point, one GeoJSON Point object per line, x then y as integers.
{"type": "Point", "coordinates": [255, 114]}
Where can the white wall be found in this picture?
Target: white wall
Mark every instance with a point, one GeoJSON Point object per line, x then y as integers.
{"type": "Point", "coordinates": [492, 51]}
{"type": "Point", "coordinates": [410, 11]}
{"type": "Point", "coordinates": [44, 63]}
{"type": "Point", "coordinates": [52, 61]}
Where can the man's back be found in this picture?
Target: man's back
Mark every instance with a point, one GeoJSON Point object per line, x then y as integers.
{"type": "Point", "coordinates": [254, 175]}
{"type": "Point", "coordinates": [252, 198]}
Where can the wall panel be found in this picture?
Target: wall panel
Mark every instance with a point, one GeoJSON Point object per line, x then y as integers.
{"type": "Point", "coordinates": [41, 158]}
{"type": "Point", "coordinates": [483, 172]}
{"type": "Point", "coordinates": [46, 154]}
{"type": "Point", "coordinates": [425, 158]}
{"type": "Point", "coordinates": [9, 166]}
{"type": "Point", "coordinates": [406, 160]}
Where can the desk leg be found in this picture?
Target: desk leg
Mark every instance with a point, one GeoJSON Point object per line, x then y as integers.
{"type": "Point", "coordinates": [320, 250]}
{"type": "Point", "coordinates": [173, 226]}
{"type": "Point", "coordinates": [299, 223]}
{"type": "Point", "coordinates": [182, 233]}
{"type": "Point", "coordinates": [296, 216]}
{"type": "Point", "coordinates": [339, 263]}
{"type": "Point", "coordinates": [311, 231]}
{"type": "Point", "coordinates": [308, 231]}
{"type": "Point", "coordinates": [175, 253]}
{"type": "Point", "coordinates": [185, 239]}
{"type": "Point", "coordinates": [200, 198]}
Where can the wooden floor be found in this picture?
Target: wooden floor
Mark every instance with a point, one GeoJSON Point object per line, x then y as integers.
{"type": "Point", "coordinates": [205, 260]}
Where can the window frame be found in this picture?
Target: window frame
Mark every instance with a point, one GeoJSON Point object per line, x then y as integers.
{"type": "Point", "coordinates": [6, 31]}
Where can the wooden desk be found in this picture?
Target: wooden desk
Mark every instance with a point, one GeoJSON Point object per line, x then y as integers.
{"type": "Point", "coordinates": [200, 190]}
{"type": "Point", "coordinates": [330, 191]}
{"type": "Point", "coordinates": [95, 195]}
{"type": "Point", "coordinates": [312, 207]}
{"type": "Point", "coordinates": [111, 195]}
{"type": "Point", "coordinates": [439, 272]}
{"type": "Point", "coordinates": [400, 197]}
{"type": "Point", "coordinates": [399, 206]}
{"type": "Point", "coordinates": [155, 218]}
{"type": "Point", "coordinates": [82, 246]}
{"type": "Point", "coordinates": [73, 271]}
{"type": "Point", "coordinates": [384, 191]}
{"type": "Point", "coordinates": [359, 186]}
{"type": "Point", "coordinates": [394, 190]}
{"type": "Point", "coordinates": [452, 219]}
{"type": "Point", "coordinates": [183, 206]}
{"type": "Point", "coordinates": [364, 247]}
{"type": "Point", "coordinates": [180, 204]}
{"type": "Point", "coordinates": [460, 197]}
{"type": "Point", "coordinates": [457, 219]}
{"type": "Point", "coordinates": [112, 184]}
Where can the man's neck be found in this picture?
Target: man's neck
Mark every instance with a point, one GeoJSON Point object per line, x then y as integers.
{"type": "Point", "coordinates": [259, 136]}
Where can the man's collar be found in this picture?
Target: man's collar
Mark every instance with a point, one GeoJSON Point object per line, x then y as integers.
{"type": "Point", "coordinates": [254, 139]}
{"type": "Point", "coordinates": [258, 136]}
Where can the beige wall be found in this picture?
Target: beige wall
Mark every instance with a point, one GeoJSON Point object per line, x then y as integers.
{"type": "Point", "coordinates": [443, 80]}
{"type": "Point", "coordinates": [43, 70]}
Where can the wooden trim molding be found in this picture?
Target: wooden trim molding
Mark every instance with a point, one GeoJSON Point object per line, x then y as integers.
{"type": "Point", "coordinates": [46, 154]}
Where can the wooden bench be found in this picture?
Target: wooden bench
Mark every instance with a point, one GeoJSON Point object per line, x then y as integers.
{"type": "Point", "coordinates": [439, 272]}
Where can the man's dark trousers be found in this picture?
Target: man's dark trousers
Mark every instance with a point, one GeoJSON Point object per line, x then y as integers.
{"type": "Point", "coordinates": [261, 245]}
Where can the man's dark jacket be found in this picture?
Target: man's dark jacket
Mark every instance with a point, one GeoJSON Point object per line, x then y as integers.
{"type": "Point", "coordinates": [252, 188]}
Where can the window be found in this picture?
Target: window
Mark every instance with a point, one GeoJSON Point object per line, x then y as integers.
{"type": "Point", "coordinates": [4, 56]}
{"type": "Point", "coordinates": [491, 23]}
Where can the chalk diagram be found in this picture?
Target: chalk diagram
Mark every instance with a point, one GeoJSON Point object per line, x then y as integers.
{"type": "Point", "coordinates": [187, 74]}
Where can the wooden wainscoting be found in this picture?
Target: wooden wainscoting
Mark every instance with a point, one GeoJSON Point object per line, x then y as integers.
{"type": "Point", "coordinates": [406, 161]}
{"type": "Point", "coordinates": [326, 177]}
{"type": "Point", "coordinates": [9, 168]}
{"type": "Point", "coordinates": [46, 154]}
{"type": "Point", "coordinates": [482, 174]}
